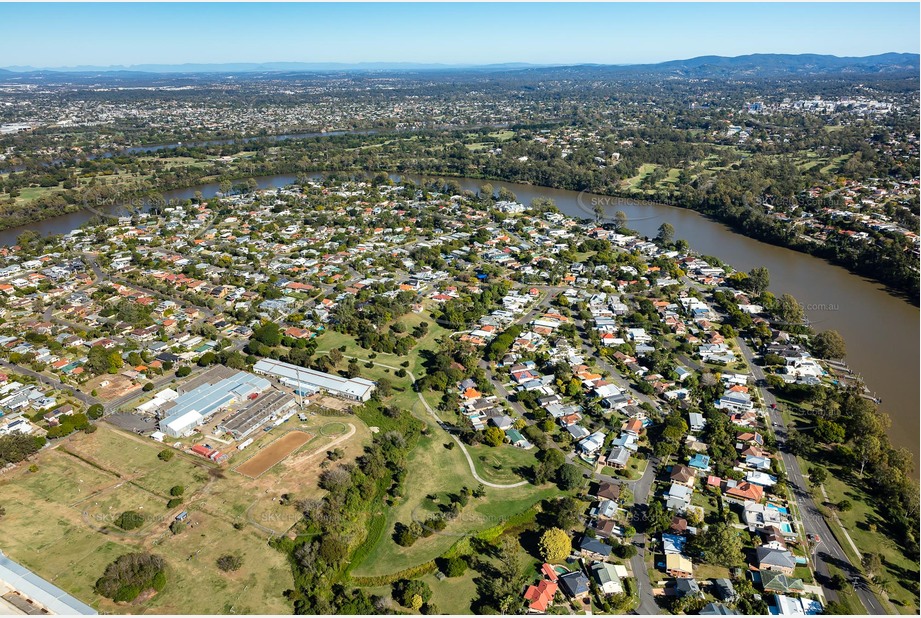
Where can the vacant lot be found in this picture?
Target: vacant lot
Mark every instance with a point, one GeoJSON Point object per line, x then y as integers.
{"type": "Point", "coordinates": [56, 517]}
{"type": "Point", "coordinates": [110, 386]}
{"type": "Point", "coordinates": [273, 453]}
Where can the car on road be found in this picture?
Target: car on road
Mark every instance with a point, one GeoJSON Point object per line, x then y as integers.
{"type": "Point", "coordinates": [813, 538]}
{"type": "Point", "coordinates": [773, 406]}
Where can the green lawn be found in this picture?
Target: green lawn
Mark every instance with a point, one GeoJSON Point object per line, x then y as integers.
{"type": "Point", "coordinates": [501, 464]}
{"type": "Point", "coordinates": [433, 469]}
{"type": "Point", "coordinates": [859, 522]}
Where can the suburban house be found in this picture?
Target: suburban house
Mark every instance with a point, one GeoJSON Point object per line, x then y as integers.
{"type": "Point", "coordinates": [683, 475]}
{"type": "Point", "coordinates": [606, 577]}
{"type": "Point", "coordinates": [769, 559]}
{"type": "Point", "coordinates": [540, 596]}
{"type": "Point", "coordinates": [677, 565]}
{"type": "Point", "coordinates": [575, 584]}
{"type": "Point", "coordinates": [774, 581]}
{"type": "Point", "coordinates": [593, 548]}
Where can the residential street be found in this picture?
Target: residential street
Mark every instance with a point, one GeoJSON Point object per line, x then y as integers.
{"type": "Point", "coordinates": [828, 550]}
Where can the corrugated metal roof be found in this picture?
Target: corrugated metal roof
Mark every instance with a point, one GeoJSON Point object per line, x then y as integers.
{"type": "Point", "coordinates": [299, 376]}
{"type": "Point", "coordinates": [38, 589]}
{"type": "Point", "coordinates": [207, 398]}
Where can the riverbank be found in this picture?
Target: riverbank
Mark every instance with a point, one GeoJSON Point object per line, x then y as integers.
{"type": "Point", "coordinates": [881, 351]}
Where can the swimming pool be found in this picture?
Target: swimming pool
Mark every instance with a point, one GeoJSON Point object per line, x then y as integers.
{"type": "Point", "coordinates": [780, 509]}
{"type": "Point", "coordinates": [785, 527]}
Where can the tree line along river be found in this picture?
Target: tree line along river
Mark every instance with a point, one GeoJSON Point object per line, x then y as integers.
{"type": "Point", "coordinates": [881, 330]}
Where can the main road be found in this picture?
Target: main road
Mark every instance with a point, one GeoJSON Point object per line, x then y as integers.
{"type": "Point", "coordinates": [828, 549]}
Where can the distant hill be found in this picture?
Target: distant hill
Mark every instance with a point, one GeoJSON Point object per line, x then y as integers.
{"type": "Point", "coordinates": [766, 65]}
{"type": "Point", "coordinates": [753, 65]}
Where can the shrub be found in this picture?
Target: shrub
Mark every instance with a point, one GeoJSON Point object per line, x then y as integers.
{"type": "Point", "coordinates": [129, 520]}
{"type": "Point", "coordinates": [165, 455]}
{"type": "Point", "coordinates": [453, 567]}
{"type": "Point", "coordinates": [130, 574]}
{"type": "Point", "coordinates": [229, 562]}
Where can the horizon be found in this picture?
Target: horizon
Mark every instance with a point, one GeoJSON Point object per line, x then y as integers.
{"type": "Point", "coordinates": [450, 34]}
{"type": "Point", "coordinates": [276, 65]}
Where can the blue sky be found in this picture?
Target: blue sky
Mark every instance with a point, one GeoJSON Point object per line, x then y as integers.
{"type": "Point", "coordinates": [49, 35]}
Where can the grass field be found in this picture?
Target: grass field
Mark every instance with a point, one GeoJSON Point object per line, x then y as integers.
{"type": "Point", "coordinates": [433, 469]}
{"type": "Point", "coordinates": [501, 464]}
{"type": "Point", "coordinates": [331, 339]}
{"type": "Point", "coordinates": [859, 522]}
{"type": "Point", "coordinates": [57, 517]}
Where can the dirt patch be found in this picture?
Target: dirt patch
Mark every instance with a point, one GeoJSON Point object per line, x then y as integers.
{"type": "Point", "coordinates": [333, 403]}
{"type": "Point", "coordinates": [272, 454]}
{"type": "Point", "coordinates": [111, 386]}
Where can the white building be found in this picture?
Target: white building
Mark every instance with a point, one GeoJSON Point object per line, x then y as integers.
{"type": "Point", "coordinates": [308, 380]}
{"type": "Point", "coordinates": [181, 426]}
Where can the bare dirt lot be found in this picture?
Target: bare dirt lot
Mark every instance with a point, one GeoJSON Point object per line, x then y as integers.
{"type": "Point", "coordinates": [115, 386]}
{"type": "Point", "coordinates": [275, 452]}
{"type": "Point", "coordinates": [332, 403]}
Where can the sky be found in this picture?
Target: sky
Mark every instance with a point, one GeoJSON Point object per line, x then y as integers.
{"type": "Point", "coordinates": [55, 35]}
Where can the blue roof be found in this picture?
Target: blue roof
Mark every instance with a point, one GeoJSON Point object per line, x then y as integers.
{"type": "Point", "coordinates": [700, 461]}
{"type": "Point", "coordinates": [208, 398]}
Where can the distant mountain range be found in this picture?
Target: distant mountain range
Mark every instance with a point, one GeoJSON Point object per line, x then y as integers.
{"type": "Point", "coordinates": [753, 65]}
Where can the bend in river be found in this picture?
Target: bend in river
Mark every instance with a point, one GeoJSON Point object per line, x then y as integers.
{"type": "Point", "coordinates": [881, 330]}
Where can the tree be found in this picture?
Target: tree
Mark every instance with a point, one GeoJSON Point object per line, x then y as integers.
{"type": "Point", "coordinates": [844, 505]}
{"type": "Point", "coordinates": [165, 455]}
{"type": "Point", "coordinates": [229, 562]}
{"type": "Point", "coordinates": [353, 370]}
{"type": "Point", "coordinates": [720, 545]}
{"type": "Point", "coordinates": [95, 411]}
{"type": "Point", "coordinates": [129, 520]}
{"type": "Point", "coordinates": [454, 567]}
{"type": "Point", "coordinates": [493, 436]}
{"type": "Point", "coordinates": [555, 545]}
{"type": "Point", "coordinates": [130, 574]}
{"type": "Point", "coordinates": [598, 210]}
{"type": "Point", "coordinates": [404, 590]}
{"type": "Point", "coordinates": [620, 220]}
{"type": "Point", "coordinates": [666, 233]}
{"type": "Point", "coordinates": [268, 333]}
{"type": "Point", "coordinates": [758, 279]}
{"type": "Point", "coordinates": [829, 344]}
{"type": "Point", "coordinates": [176, 490]}
{"type": "Point", "coordinates": [16, 447]}
{"type": "Point", "coordinates": [790, 311]}
{"type": "Point", "coordinates": [867, 449]}
{"type": "Point", "coordinates": [569, 476]}
{"type": "Point", "coordinates": [176, 527]}
{"type": "Point", "coordinates": [183, 371]}
{"type": "Point", "coordinates": [871, 563]}
{"type": "Point", "coordinates": [817, 475]}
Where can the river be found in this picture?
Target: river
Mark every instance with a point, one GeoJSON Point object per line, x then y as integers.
{"type": "Point", "coordinates": [881, 330]}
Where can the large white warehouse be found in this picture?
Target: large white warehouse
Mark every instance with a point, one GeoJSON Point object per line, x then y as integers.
{"type": "Point", "coordinates": [308, 380]}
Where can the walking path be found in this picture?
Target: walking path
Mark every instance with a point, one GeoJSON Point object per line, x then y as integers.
{"type": "Point", "coordinates": [456, 439]}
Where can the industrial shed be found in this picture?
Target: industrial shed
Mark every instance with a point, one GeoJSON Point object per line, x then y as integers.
{"type": "Point", "coordinates": [310, 381]}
